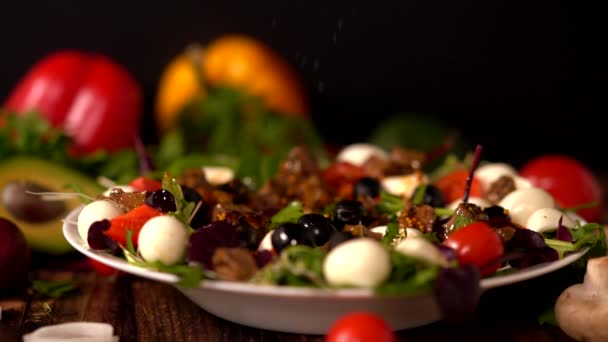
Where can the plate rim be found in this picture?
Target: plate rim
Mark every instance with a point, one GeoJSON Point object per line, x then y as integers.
{"type": "Point", "coordinates": [70, 233]}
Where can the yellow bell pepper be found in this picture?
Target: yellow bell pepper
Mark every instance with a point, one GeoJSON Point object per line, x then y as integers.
{"type": "Point", "coordinates": [238, 61]}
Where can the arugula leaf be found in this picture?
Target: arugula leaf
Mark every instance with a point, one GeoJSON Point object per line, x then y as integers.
{"type": "Point", "coordinates": [291, 213]}
{"type": "Point", "coordinates": [183, 208]}
{"type": "Point", "coordinates": [590, 235]}
{"type": "Point", "coordinates": [419, 194]}
{"type": "Point", "coordinates": [392, 230]}
{"type": "Point", "coordinates": [53, 289]}
{"type": "Point", "coordinates": [297, 265]}
{"type": "Point", "coordinates": [129, 239]}
{"type": "Point", "coordinates": [462, 221]}
{"type": "Point", "coordinates": [390, 204]}
{"type": "Point", "coordinates": [408, 277]}
{"type": "Point", "coordinates": [189, 275]}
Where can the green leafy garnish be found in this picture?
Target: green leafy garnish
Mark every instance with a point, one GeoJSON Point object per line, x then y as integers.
{"type": "Point", "coordinates": [390, 204]}
{"type": "Point", "coordinates": [53, 289]}
{"type": "Point", "coordinates": [129, 239]}
{"type": "Point", "coordinates": [184, 208]}
{"type": "Point", "coordinates": [408, 277]}
{"type": "Point", "coordinates": [189, 275]}
{"type": "Point", "coordinates": [590, 235]}
{"type": "Point", "coordinates": [297, 265]}
{"type": "Point", "coordinates": [392, 231]}
{"type": "Point", "coordinates": [291, 213]}
{"type": "Point", "coordinates": [419, 194]}
{"type": "Point", "coordinates": [443, 212]}
{"type": "Point", "coordinates": [462, 221]}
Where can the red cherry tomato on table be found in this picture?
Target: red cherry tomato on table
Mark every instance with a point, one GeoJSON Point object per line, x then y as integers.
{"type": "Point", "coordinates": [569, 182]}
{"type": "Point", "coordinates": [360, 327]}
{"type": "Point", "coordinates": [102, 269]}
{"type": "Point", "coordinates": [477, 244]}
{"type": "Point", "coordinates": [454, 183]}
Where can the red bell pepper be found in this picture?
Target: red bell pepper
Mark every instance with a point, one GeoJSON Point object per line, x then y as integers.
{"type": "Point", "coordinates": [95, 100]}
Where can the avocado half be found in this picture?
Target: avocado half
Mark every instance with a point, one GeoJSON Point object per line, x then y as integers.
{"type": "Point", "coordinates": [43, 234]}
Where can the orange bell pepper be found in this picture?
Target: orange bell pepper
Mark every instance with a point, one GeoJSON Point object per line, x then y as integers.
{"type": "Point", "coordinates": [238, 61]}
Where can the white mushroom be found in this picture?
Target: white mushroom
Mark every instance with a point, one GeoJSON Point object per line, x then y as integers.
{"type": "Point", "coordinates": [96, 211]}
{"type": "Point", "coordinates": [361, 262]}
{"type": "Point", "coordinates": [359, 153]}
{"type": "Point", "coordinates": [523, 202]}
{"type": "Point", "coordinates": [423, 250]}
{"type": "Point", "coordinates": [546, 220]}
{"type": "Point", "coordinates": [582, 309]}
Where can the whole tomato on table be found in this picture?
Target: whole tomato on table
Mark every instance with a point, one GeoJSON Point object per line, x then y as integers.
{"type": "Point", "coordinates": [93, 98]}
{"type": "Point", "coordinates": [569, 181]}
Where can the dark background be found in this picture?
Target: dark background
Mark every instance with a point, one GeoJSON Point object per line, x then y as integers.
{"type": "Point", "coordinates": [521, 78]}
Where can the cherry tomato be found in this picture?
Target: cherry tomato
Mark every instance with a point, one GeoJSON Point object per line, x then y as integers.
{"type": "Point", "coordinates": [143, 184]}
{"type": "Point", "coordinates": [341, 176]}
{"type": "Point", "coordinates": [569, 181]}
{"type": "Point", "coordinates": [477, 244]}
{"type": "Point", "coordinates": [360, 327]}
{"type": "Point", "coordinates": [454, 183]}
{"type": "Point", "coordinates": [102, 269]}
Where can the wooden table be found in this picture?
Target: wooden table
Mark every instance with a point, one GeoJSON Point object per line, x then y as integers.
{"type": "Point", "coordinates": [144, 310]}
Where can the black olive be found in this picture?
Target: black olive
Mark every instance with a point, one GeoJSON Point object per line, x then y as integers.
{"type": "Point", "coordinates": [432, 196]}
{"type": "Point", "coordinates": [162, 200]}
{"type": "Point", "coordinates": [318, 227]}
{"type": "Point", "coordinates": [338, 238]}
{"type": "Point", "coordinates": [367, 186]}
{"type": "Point", "coordinates": [289, 234]}
{"type": "Point", "coordinates": [348, 212]}
{"type": "Point", "coordinates": [203, 214]}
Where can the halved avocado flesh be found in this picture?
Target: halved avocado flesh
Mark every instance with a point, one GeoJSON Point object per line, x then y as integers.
{"type": "Point", "coordinates": [46, 236]}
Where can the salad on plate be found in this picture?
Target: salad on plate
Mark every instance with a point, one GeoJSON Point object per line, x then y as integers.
{"type": "Point", "coordinates": [369, 219]}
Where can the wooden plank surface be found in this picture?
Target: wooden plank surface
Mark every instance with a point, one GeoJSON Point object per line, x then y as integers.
{"type": "Point", "coordinates": [143, 310]}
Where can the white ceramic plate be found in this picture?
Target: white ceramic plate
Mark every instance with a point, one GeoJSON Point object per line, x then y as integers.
{"type": "Point", "coordinates": [300, 310]}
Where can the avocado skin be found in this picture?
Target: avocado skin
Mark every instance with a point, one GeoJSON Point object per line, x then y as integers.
{"type": "Point", "coordinates": [45, 237]}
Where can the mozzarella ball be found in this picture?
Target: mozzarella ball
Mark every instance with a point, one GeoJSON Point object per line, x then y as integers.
{"type": "Point", "coordinates": [403, 185]}
{"type": "Point", "coordinates": [523, 202]}
{"type": "Point", "coordinates": [361, 262]}
{"type": "Point", "coordinates": [486, 174]}
{"type": "Point", "coordinates": [125, 188]}
{"type": "Point", "coordinates": [163, 238]}
{"type": "Point", "coordinates": [218, 175]}
{"type": "Point", "coordinates": [96, 211]}
{"type": "Point", "coordinates": [421, 249]}
{"type": "Point", "coordinates": [521, 183]}
{"type": "Point", "coordinates": [547, 219]}
{"type": "Point", "coordinates": [266, 243]}
{"type": "Point", "coordinates": [483, 203]}
{"type": "Point", "coordinates": [358, 154]}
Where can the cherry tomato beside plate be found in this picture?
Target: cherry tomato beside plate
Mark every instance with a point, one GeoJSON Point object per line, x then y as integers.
{"type": "Point", "coordinates": [360, 327]}
{"type": "Point", "coordinates": [476, 244]}
{"type": "Point", "coordinates": [102, 269]}
{"type": "Point", "coordinates": [569, 181]}
{"type": "Point", "coordinates": [454, 183]}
